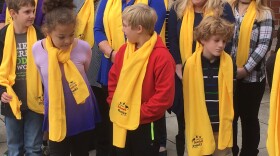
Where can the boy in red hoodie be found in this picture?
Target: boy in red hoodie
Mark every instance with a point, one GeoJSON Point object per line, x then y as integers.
{"type": "Point", "coordinates": [141, 85]}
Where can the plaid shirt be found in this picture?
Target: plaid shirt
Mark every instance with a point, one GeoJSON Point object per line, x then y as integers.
{"type": "Point", "coordinates": [259, 45]}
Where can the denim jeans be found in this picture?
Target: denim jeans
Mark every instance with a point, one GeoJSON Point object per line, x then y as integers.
{"type": "Point", "coordinates": [25, 136]}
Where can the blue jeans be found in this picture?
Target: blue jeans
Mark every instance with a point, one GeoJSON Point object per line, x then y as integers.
{"type": "Point", "coordinates": [25, 136]}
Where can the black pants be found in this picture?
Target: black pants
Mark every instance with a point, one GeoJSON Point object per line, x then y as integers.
{"type": "Point", "coordinates": [247, 100]}
{"type": "Point", "coordinates": [180, 137]}
{"type": "Point", "coordinates": [76, 145]}
{"type": "Point", "coordinates": [104, 131]}
{"type": "Point", "coordinates": [139, 142]}
{"type": "Point", "coordinates": [163, 134]}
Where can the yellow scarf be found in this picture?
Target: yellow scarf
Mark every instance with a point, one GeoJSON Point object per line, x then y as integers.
{"type": "Point", "coordinates": [245, 35]}
{"type": "Point", "coordinates": [186, 33]}
{"type": "Point", "coordinates": [8, 17]}
{"type": "Point", "coordinates": [8, 73]}
{"type": "Point", "coordinates": [57, 118]}
{"type": "Point", "coordinates": [126, 102]}
{"type": "Point", "coordinates": [199, 134]}
{"type": "Point", "coordinates": [273, 137]}
{"type": "Point", "coordinates": [112, 21]}
{"type": "Point", "coordinates": [85, 17]}
{"type": "Point", "coordinates": [163, 30]}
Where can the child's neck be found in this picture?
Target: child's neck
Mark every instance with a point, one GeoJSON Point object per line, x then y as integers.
{"type": "Point", "coordinates": [209, 57]}
{"type": "Point", "coordinates": [198, 9]}
{"type": "Point", "coordinates": [141, 41]}
{"type": "Point", "coordinates": [20, 29]}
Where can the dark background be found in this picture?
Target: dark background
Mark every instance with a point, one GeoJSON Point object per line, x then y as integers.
{"type": "Point", "coordinates": [1, 4]}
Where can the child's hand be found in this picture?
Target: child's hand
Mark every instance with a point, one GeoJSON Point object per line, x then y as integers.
{"type": "Point", "coordinates": [179, 71]}
{"type": "Point", "coordinates": [6, 98]}
{"type": "Point", "coordinates": [2, 25]}
{"type": "Point", "coordinates": [113, 56]}
{"type": "Point", "coordinates": [241, 73]}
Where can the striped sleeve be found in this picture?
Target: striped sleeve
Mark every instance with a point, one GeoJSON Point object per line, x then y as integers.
{"type": "Point", "coordinates": [263, 41]}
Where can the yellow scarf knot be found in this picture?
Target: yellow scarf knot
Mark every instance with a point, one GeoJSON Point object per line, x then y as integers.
{"type": "Point", "coordinates": [62, 58]}
{"type": "Point", "coordinates": [57, 117]}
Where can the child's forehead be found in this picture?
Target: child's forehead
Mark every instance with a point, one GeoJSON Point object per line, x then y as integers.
{"type": "Point", "coordinates": [26, 6]}
{"type": "Point", "coordinates": [217, 36]}
{"type": "Point", "coordinates": [125, 22]}
{"type": "Point", "coordinates": [64, 28]}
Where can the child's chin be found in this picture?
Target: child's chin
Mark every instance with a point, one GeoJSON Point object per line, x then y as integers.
{"type": "Point", "coordinates": [218, 54]}
{"type": "Point", "coordinates": [29, 24]}
{"type": "Point", "coordinates": [133, 42]}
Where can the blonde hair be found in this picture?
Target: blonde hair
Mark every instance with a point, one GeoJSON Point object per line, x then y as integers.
{"type": "Point", "coordinates": [180, 7]}
{"type": "Point", "coordinates": [140, 14]}
{"type": "Point", "coordinates": [211, 26]}
{"type": "Point", "coordinates": [262, 9]}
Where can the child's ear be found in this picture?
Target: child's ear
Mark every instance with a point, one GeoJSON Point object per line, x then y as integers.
{"type": "Point", "coordinates": [202, 42]}
{"type": "Point", "coordinates": [12, 12]}
{"type": "Point", "coordinates": [139, 28]}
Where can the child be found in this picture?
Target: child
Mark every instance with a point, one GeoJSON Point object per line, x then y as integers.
{"type": "Point", "coordinates": [184, 16]}
{"type": "Point", "coordinates": [62, 61]}
{"type": "Point", "coordinates": [20, 83]}
{"type": "Point", "coordinates": [208, 91]}
{"type": "Point", "coordinates": [5, 17]}
{"type": "Point", "coordinates": [109, 37]}
{"type": "Point", "coordinates": [141, 85]}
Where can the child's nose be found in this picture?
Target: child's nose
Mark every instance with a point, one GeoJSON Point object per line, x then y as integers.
{"type": "Point", "coordinates": [68, 41]}
{"type": "Point", "coordinates": [32, 15]}
{"type": "Point", "coordinates": [221, 43]}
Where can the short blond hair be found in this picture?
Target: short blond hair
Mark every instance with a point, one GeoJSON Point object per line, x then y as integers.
{"type": "Point", "coordinates": [16, 5]}
{"type": "Point", "coordinates": [211, 26]}
{"type": "Point", "coordinates": [140, 14]}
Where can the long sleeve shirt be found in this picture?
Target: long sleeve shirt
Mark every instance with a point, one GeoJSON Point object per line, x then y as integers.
{"type": "Point", "coordinates": [79, 118]}
{"type": "Point", "coordinates": [259, 45]}
{"type": "Point", "coordinates": [99, 32]}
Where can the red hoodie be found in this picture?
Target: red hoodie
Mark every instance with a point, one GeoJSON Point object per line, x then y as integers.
{"type": "Point", "coordinates": [158, 86]}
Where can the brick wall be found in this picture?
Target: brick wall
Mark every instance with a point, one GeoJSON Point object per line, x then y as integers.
{"type": "Point", "coordinates": [275, 6]}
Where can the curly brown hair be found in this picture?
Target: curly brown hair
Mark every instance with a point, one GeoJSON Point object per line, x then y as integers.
{"type": "Point", "coordinates": [210, 26]}
{"type": "Point", "coordinates": [58, 12]}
